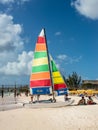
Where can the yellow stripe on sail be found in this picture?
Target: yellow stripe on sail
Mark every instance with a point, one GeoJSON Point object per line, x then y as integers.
{"type": "Point", "coordinates": [56, 74]}
{"type": "Point", "coordinates": [58, 80]}
{"type": "Point", "coordinates": [40, 61]}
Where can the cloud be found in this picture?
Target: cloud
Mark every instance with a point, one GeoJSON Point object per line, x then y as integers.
{"type": "Point", "coordinates": [10, 39]}
{"type": "Point", "coordinates": [62, 58]}
{"type": "Point", "coordinates": [21, 66]}
{"type": "Point", "coordinates": [77, 59]}
{"type": "Point", "coordinates": [12, 1]}
{"type": "Point", "coordinates": [14, 62]}
{"type": "Point", "coordinates": [11, 44]}
{"type": "Point", "coordinates": [6, 1]}
{"type": "Point", "coordinates": [57, 33]}
{"type": "Point", "coordinates": [88, 8]}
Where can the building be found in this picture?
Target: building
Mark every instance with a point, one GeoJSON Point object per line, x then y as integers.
{"type": "Point", "coordinates": [90, 84]}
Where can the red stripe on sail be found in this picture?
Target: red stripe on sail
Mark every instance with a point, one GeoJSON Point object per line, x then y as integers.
{"type": "Point", "coordinates": [59, 86]}
{"type": "Point", "coordinates": [41, 40]}
{"type": "Point", "coordinates": [40, 83]}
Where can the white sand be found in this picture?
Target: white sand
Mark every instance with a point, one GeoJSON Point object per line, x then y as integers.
{"type": "Point", "coordinates": [64, 118]}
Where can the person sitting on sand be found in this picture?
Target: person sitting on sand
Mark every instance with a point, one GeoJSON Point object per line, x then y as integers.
{"type": "Point", "coordinates": [90, 101]}
{"type": "Point", "coordinates": [38, 96]}
{"type": "Point", "coordinates": [31, 99]}
{"type": "Point", "coordinates": [66, 97]}
{"type": "Point", "coordinates": [82, 101]}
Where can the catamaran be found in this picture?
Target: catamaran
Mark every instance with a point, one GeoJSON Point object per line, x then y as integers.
{"type": "Point", "coordinates": [45, 78]}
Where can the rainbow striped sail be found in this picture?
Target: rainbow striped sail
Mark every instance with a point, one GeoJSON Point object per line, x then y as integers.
{"type": "Point", "coordinates": [45, 77]}
{"type": "Point", "coordinates": [60, 86]}
{"type": "Point", "coordinates": [40, 80]}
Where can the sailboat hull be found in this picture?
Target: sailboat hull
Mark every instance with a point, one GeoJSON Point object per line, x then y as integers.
{"type": "Point", "coordinates": [41, 91]}
{"type": "Point", "coordinates": [62, 91]}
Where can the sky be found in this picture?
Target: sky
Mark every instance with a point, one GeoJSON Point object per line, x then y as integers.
{"type": "Point", "coordinates": [71, 28]}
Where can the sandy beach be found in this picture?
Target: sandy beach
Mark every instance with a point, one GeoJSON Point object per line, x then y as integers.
{"type": "Point", "coordinates": [62, 118]}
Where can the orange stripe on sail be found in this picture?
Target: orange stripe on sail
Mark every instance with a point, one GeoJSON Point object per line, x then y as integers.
{"type": "Point", "coordinates": [38, 76]}
{"type": "Point", "coordinates": [40, 47]}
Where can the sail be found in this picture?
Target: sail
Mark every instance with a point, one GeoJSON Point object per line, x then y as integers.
{"type": "Point", "coordinates": [40, 79]}
{"type": "Point", "coordinates": [60, 86]}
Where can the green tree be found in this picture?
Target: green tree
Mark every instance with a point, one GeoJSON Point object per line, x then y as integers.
{"type": "Point", "coordinates": [73, 81]}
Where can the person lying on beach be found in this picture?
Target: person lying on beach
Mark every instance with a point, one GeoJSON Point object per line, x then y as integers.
{"type": "Point", "coordinates": [90, 101]}
{"type": "Point", "coordinates": [82, 101]}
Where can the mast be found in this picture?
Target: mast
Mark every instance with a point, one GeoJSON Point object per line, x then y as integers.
{"type": "Point", "coordinates": [49, 67]}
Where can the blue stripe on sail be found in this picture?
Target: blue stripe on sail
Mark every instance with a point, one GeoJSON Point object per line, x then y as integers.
{"type": "Point", "coordinates": [62, 91]}
{"type": "Point", "coordinates": [41, 91]}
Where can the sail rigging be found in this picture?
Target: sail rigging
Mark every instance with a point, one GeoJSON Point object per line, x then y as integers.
{"type": "Point", "coordinates": [45, 77]}
{"type": "Point", "coordinates": [40, 79]}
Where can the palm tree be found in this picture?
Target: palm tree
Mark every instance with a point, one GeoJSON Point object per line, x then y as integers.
{"type": "Point", "coordinates": [73, 81]}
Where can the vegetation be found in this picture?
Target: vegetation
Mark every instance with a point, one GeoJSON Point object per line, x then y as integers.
{"type": "Point", "coordinates": [24, 88]}
{"type": "Point", "coordinates": [89, 86]}
{"type": "Point", "coordinates": [73, 81]}
{"type": "Point", "coordinates": [19, 88]}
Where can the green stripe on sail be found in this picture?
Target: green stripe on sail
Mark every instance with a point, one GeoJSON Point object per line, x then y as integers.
{"type": "Point", "coordinates": [54, 68]}
{"type": "Point", "coordinates": [41, 68]}
{"type": "Point", "coordinates": [40, 54]}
